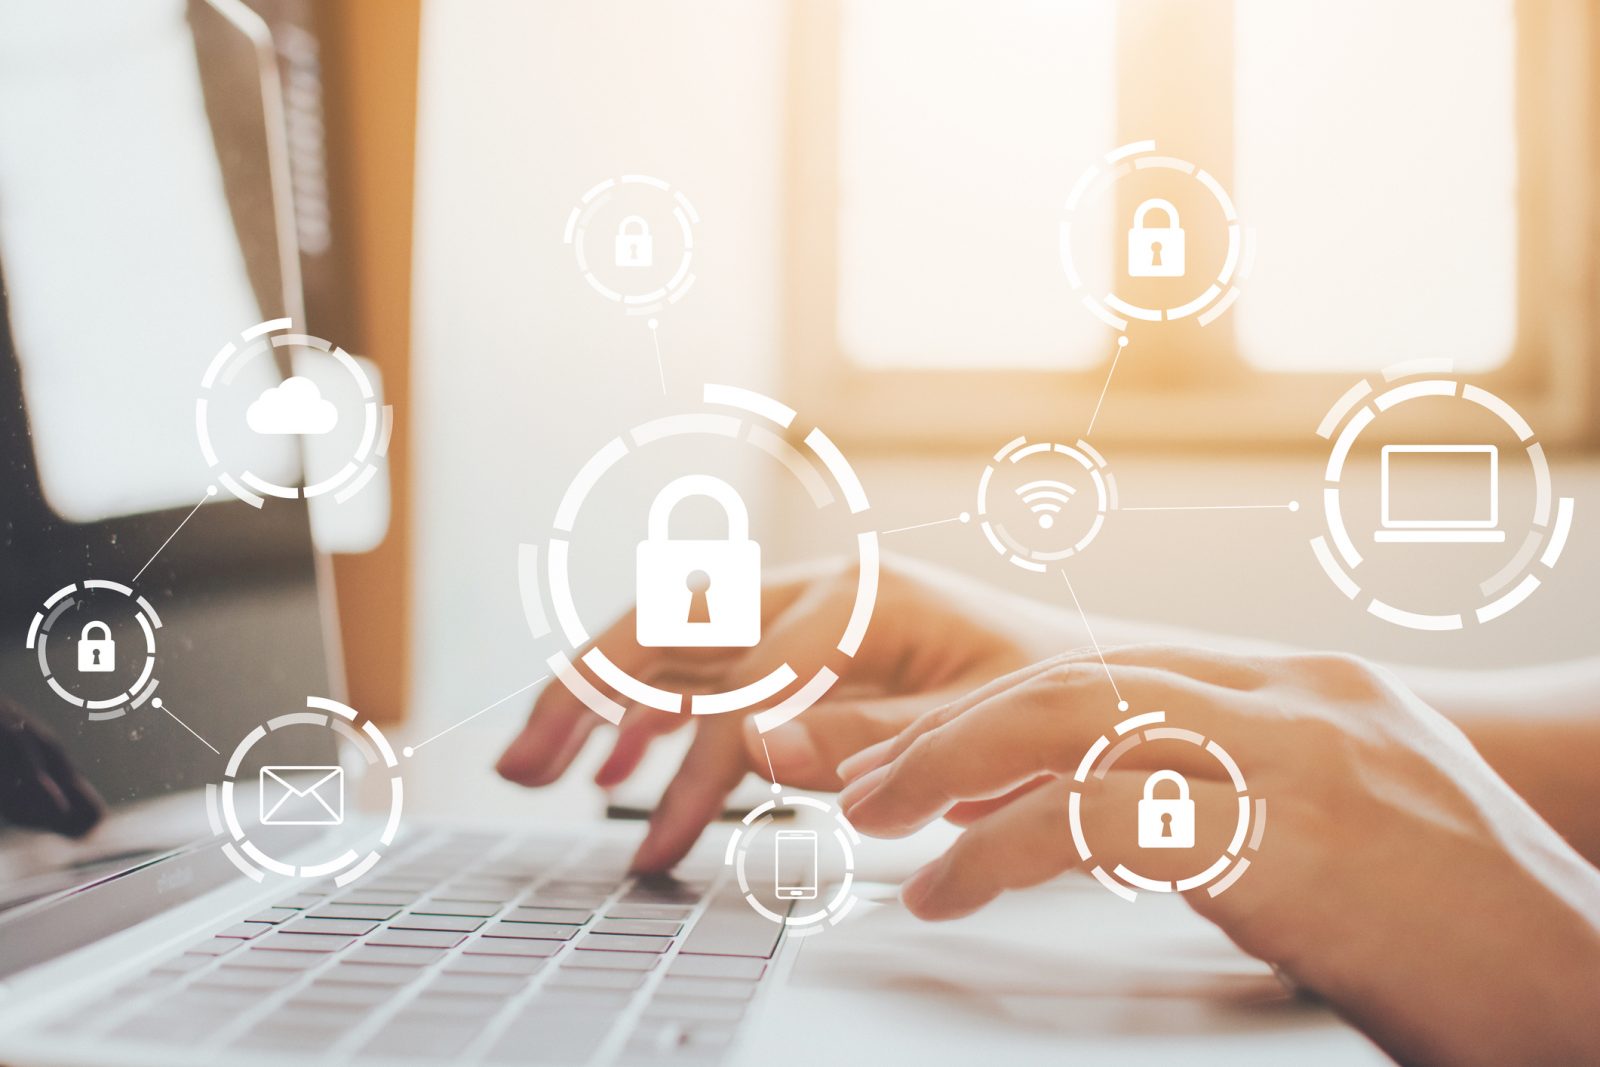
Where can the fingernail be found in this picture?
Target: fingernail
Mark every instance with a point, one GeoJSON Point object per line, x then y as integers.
{"type": "Point", "coordinates": [858, 790]}
{"type": "Point", "coordinates": [865, 760]}
{"type": "Point", "coordinates": [792, 752]}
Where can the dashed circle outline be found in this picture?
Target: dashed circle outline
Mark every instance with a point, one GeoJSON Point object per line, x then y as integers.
{"type": "Point", "coordinates": [1018, 449]}
{"type": "Point", "coordinates": [1357, 409]}
{"type": "Point", "coordinates": [1112, 309]}
{"type": "Point", "coordinates": [843, 899]}
{"type": "Point", "coordinates": [349, 865]}
{"type": "Point", "coordinates": [724, 426]}
{"type": "Point", "coordinates": [377, 426]}
{"type": "Point", "coordinates": [684, 212]}
{"type": "Point", "coordinates": [1122, 880]}
{"type": "Point", "coordinates": [130, 699]}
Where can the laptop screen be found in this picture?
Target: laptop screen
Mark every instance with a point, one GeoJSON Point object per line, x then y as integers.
{"type": "Point", "coordinates": [133, 246]}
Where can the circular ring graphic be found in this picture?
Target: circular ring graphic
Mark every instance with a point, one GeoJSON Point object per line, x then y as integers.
{"type": "Point", "coordinates": [1103, 755]}
{"type": "Point", "coordinates": [719, 425]}
{"type": "Point", "coordinates": [350, 864]}
{"type": "Point", "coordinates": [1356, 410]}
{"type": "Point", "coordinates": [1112, 309]}
{"type": "Point", "coordinates": [135, 695]}
{"type": "Point", "coordinates": [837, 906]}
{"type": "Point", "coordinates": [1105, 501]}
{"type": "Point", "coordinates": [683, 213]}
{"type": "Point", "coordinates": [262, 339]}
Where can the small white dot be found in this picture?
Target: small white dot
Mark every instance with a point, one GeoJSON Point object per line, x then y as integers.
{"type": "Point", "coordinates": [1045, 522]}
{"type": "Point", "coordinates": [1122, 342]}
{"type": "Point", "coordinates": [966, 517]}
{"type": "Point", "coordinates": [1294, 505]}
{"type": "Point", "coordinates": [776, 788]}
{"type": "Point", "coordinates": [156, 703]}
{"type": "Point", "coordinates": [211, 490]}
{"type": "Point", "coordinates": [407, 752]}
{"type": "Point", "coordinates": [652, 324]}
{"type": "Point", "coordinates": [1122, 705]}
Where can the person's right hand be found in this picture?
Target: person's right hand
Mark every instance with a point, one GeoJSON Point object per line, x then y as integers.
{"type": "Point", "coordinates": [39, 787]}
{"type": "Point", "coordinates": [1399, 876]}
{"type": "Point", "coordinates": [933, 636]}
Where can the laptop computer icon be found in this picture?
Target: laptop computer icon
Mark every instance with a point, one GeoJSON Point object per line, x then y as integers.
{"type": "Point", "coordinates": [1412, 514]}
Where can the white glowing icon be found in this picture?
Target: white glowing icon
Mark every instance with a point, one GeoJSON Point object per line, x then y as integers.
{"type": "Point", "coordinates": [1045, 499]}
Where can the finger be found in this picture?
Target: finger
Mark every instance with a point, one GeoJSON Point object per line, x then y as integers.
{"type": "Point", "coordinates": [969, 812]}
{"type": "Point", "coordinates": [548, 743]}
{"type": "Point", "coordinates": [880, 754]}
{"type": "Point", "coordinates": [804, 752]}
{"type": "Point", "coordinates": [1021, 845]}
{"type": "Point", "coordinates": [83, 805]}
{"type": "Point", "coordinates": [640, 727]}
{"type": "Point", "coordinates": [1036, 727]}
{"type": "Point", "coordinates": [805, 631]}
{"type": "Point", "coordinates": [713, 766]}
{"type": "Point", "coordinates": [1222, 669]}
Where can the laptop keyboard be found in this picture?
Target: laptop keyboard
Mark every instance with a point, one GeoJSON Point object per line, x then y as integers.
{"type": "Point", "coordinates": [469, 947]}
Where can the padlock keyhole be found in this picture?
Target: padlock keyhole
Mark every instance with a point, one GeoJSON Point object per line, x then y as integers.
{"type": "Point", "coordinates": [96, 653]}
{"type": "Point", "coordinates": [1155, 253]}
{"type": "Point", "coordinates": [1166, 824]}
{"type": "Point", "coordinates": [698, 582]}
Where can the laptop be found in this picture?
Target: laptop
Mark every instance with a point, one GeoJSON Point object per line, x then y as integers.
{"type": "Point", "coordinates": [1411, 511]}
{"type": "Point", "coordinates": [144, 943]}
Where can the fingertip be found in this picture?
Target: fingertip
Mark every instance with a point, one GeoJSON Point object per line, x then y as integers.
{"type": "Point", "coordinates": [793, 753]}
{"type": "Point", "coordinates": [851, 796]}
{"type": "Point", "coordinates": [867, 759]}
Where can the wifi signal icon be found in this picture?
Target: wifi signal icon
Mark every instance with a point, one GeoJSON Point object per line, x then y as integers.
{"type": "Point", "coordinates": [1045, 499]}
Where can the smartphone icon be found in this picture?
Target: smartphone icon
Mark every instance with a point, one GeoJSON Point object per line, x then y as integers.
{"type": "Point", "coordinates": [795, 865]}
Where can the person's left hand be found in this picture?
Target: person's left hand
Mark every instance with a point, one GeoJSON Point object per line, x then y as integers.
{"type": "Point", "coordinates": [39, 787]}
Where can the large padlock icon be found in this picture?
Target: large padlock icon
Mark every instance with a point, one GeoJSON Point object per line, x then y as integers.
{"type": "Point", "coordinates": [635, 246]}
{"type": "Point", "coordinates": [1155, 251]}
{"type": "Point", "coordinates": [96, 653]}
{"type": "Point", "coordinates": [698, 594]}
{"type": "Point", "coordinates": [1166, 823]}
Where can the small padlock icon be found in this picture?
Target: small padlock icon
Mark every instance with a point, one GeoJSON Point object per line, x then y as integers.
{"type": "Point", "coordinates": [635, 246]}
{"type": "Point", "coordinates": [1155, 251]}
{"type": "Point", "coordinates": [698, 594]}
{"type": "Point", "coordinates": [96, 654]}
{"type": "Point", "coordinates": [1166, 823]}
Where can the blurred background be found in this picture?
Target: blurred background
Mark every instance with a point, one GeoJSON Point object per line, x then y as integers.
{"type": "Point", "coordinates": [879, 184]}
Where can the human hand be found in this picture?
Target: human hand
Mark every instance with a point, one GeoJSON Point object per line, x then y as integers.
{"type": "Point", "coordinates": [39, 788]}
{"type": "Point", "coordinates": [933, 636]}
{"type": "Point", "coordinates": [1399, 877]}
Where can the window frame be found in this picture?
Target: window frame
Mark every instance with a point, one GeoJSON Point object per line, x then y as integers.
{"type": "Point", "coordinates": [1193, 386]}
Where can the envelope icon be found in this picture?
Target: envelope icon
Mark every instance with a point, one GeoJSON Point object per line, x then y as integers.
{"type": "Point", "coordinates": [318, 799]}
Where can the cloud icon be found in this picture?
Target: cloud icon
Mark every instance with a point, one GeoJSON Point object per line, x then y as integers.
{"type": "Point", "coordinates": [295, 407]}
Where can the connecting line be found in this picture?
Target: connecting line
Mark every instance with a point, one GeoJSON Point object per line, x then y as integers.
{"type": "Point", "coordinates": [661, 369]}
{"type": "Point", "coordinates": [211, 491]}
{"type": "Point", "coordinates": [963, 517]}
{"type": "Point", "coordinates": [1292, 506]}
{"type": "Point", "coordinates": [159, 703]}
{"type": "Point", "coordinates": [1122, 705]}
{"type": "Point", "coordinates": [410, 749]}
{"type": "Point", "coordinates": [1122, 342]}
{"type": "Point", "coordinates": [770, 770]}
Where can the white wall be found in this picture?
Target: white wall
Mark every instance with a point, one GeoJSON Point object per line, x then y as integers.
{"type": "Point", "coordinates": [522, 371]}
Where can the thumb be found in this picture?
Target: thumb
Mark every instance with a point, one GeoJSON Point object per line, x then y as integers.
{"type": "Point", "coordinates": [805, 751]}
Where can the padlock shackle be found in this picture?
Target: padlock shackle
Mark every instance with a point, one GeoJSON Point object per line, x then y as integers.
{"type": "Point", "coordinates": [656, 526]}
{"type": "Point", "coordinates": [622, 227]}
{"type": "Point", "coordinates": [104, 629]}
{"type": "Point", "coordinates": [1152, 204]}
{"type": "Point", "coordinates": [1166, 776]}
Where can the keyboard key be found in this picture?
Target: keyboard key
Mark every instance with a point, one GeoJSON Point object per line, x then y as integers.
{"type": "Point", "coordinates": [479, 909]}
{"type": "Point", "coordinates": [595, 979]}
{"type": "Point", "coordinates": [217, 946]}
{"type": "Point", "coordinates": [397, 955]}
{"type": "Point", "coordinates": [613, 961]}
{"type": "Point", "coordinates": [718, 967]}
{"type": "Point", "coordinates": [653, 927]}
{"type": "Point", "coordinates": [418, 938]}
{"type": "Point", "coordinates": [730, 928]}
{"type": "Point", "coordinates": [342, 927]}
{"type": "Point", "coordinates": [718, 988]}
{"type": "Point", "coordinates": [275, 915]}
{"type": "Point", "coordinates": [532, 931]}
{"type": "Point", "coordinates": [623, 943]}
{"type": "Point", "coordinates": [377, 896]}
{"type": "Point", "coordinates": [301, 901]}
{"type": "Point", "coordinates": [432, 1038]}
{"type": "Point", "coordinates": [687, 1008]}
{"type": "Point", "coordinates": [286, 942]}
{"type": "Point", "coordinates": [369, 912]}
{"type": "Point", "coordinates": [337, 995]}
{"type": "Point", "coordinates": [454, 1004]}
{"type": "Point", "coordinates": [278, 961]}
{"type": "Point", "coordinates": [487, 985]}
{"type": "Point", "coordinates": [468, 964]}
{"type": "Point", "coordinates": [570, 916]}
{"type": "Point", "coordinates": [674, 912]}
{"type": "Point", "coordinates": [232, 977]}
{"type": "Point", "coordinates": [413, 921]}
{"type": "Point", "coordinates": [509, 946]}
{"type": "Point", "coordinates": [367, 974]}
